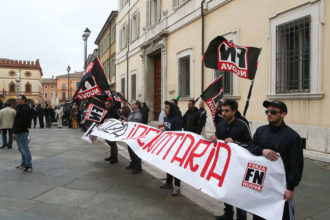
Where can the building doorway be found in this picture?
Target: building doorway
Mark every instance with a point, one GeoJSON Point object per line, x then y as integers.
{"type": "Point", "coordinates": [157, 85]}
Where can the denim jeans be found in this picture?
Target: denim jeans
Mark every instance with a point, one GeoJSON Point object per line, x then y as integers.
{"type": "Point", "coordinates": [4, 137]}
{"type": "Point", "coordinates": [23, 147]}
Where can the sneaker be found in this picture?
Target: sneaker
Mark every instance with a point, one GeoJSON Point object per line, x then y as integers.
{"type": "Point", "coordinates": [136, 171]}
{"type": "Point", "coordinates": [176, 191]}
{"type": "Point", "coordinates": [224, 217]}
{"type": "Point", "coordinates": [114, 160]}
{"type": "Point", "coordinates": [20, 167]}
{"type": "Point", "coordinates": [166, 186]}
{"type": "Point", "coordinates": [27, 170]}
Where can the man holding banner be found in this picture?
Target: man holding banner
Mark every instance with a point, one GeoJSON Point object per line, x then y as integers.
{"type": "Point", "coordinates": [172, 122]}
{"type": "Point", "coordinates": [232, 130]}
{"type": "Point", "coordinates": [278, 140]}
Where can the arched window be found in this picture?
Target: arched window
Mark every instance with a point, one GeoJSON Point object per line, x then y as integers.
{"type": "Point", "coordinates": [12, 87]}
{"type": "Point", "coordinates": [28, 88]}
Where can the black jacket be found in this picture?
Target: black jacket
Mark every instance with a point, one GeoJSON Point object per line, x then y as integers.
{"type": "Point", "coordinates": [145, 112]}
{"type": "Point", "coordinates": [285, 141]}
{"type": "Point", "coordinates": [191, 121]}
{"type": "Point", "coordinates": [172, 121]}
{"type": "Point", "coordinates": [22, 119]}
{"type": "Point", "coordinates": [112, 113]}
{"type": "Point", "coordinates": [238, 130]}
{"type": "Point", "coordinates": [202, 113]}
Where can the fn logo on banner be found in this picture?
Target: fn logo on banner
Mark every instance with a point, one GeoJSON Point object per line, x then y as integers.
{"type": "Point", "coordinates": [254, 176]}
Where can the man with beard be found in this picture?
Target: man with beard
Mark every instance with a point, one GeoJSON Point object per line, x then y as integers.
{"type": "Point", "coordinates": [232, 130]}
{"type": "Point", "coordinates": [112, 113]}
{"type": "Point", "coordinates": [278, 140]}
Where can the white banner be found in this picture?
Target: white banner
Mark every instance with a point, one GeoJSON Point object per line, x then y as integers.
{"type": "Point", "coordinates": [226, 172]}
{"type": "Point", "coordinates": [87, 136]}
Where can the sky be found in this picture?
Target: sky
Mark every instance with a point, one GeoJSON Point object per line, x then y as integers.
{"type": "Point", "coordinates": [51, 31]}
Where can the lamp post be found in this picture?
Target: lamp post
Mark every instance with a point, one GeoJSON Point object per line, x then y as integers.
{"type": "Point", "coordinates": [85, 36]}
{"type": "Point", "coordinates": [68, 69]}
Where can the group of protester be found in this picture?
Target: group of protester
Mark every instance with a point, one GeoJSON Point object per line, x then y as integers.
{"type": "Point", "coordinates": [272, 141]}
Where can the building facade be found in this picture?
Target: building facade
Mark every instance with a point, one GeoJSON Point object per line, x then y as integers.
{"type": "Point", "coordinates": [65, 93]}
{"type": "Point", "coordinates": [161, 43]}
{"type": "Point", "coordinates": [20, 77]}
{"type": "Point", "coordinates": [106, 42]}
{"type": "Point", "coordinates": [49, 91]}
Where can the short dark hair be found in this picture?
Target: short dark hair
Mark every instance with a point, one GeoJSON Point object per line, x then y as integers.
{"type": "Point", "coordinates": [108, 101]}
{"type": "Point", "coordinates": [138, 103]}
{"type": "Point", "coordinates": [192, 101]}
{"type": "Point", "coordinates": [232, 103]}
{"type": "Point", "coordinates": [7, 104]}
{"type": "Point", "coordinates": [175, 101]}
{"type": "Point", "coordinates": [23, 97]}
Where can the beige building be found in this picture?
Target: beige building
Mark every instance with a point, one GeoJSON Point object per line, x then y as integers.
{"type": "Point", "coordinates": [65, 93]}
{"type": "Point", "coordinates": [49, 91]}
{"type": "Point", "coordinates": [160, 47]}
{"type": "Point", "coordinates": [20, 77]}
{"type": "Point", "coordinates": [106, 42]}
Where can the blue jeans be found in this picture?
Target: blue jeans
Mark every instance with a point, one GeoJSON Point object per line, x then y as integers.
{"type": "Point", "coordinates": [4, 137]}
{"type": "Point", "coordinates": [23, 147]}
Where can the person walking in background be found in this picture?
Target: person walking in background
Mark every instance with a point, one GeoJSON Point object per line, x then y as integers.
{"type": "Point", "coordinates": [40, 114]}
{"type": "Point", "coordinates": [74, 116]}
{"type": "Point", "coordinates": [33, 116]}
{"type": "Point", "coordinates": [21, 133]}
{"type": "Point", "coordinates": [59, 115]}
{"type": "Point", "coordinates": [172, 122]}
{"type": "Point", "coordinates": [7, 116]}
{"type": "Point", "coordinates": [145, 112]}
{"type": "Point", "coordinates": [49, 116]}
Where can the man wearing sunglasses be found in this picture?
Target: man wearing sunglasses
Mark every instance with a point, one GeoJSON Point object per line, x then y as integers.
{"type": "Point", "coordinates": [232, 130]}
{"type": "Point", "coordinates": [277, 139]}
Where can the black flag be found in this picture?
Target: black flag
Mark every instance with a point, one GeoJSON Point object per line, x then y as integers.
{"type": "Point", "coordinates": [224, 55]}
{"type": "Point", "coordinates": [96, 110]}
{"type": "Point", "coordinates": [93, 82]}
{"type": "Point", "coordinates": [213, 94]}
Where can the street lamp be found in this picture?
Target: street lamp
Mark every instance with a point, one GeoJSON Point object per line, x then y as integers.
{"type": "Point", "coordinates": [68, 69]}
{"type": "Point", "coordinates": [85, 36]}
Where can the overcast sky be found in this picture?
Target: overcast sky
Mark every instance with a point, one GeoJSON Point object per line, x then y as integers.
{"type": "Point", "coordinates": [51, 31]}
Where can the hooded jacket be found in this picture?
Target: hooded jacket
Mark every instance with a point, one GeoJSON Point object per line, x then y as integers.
{"type": "Point", "coordinates": [172, 121]}
{"type": "Point", "coordinates": [191, 121]}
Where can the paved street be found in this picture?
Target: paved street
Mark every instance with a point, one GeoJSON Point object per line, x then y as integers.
{"type": "Point", "coordinates": [71, 181]}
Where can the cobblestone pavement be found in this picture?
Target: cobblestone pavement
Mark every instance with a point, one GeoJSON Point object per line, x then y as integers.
{"type": "Point", "coordinates": [70, 180]}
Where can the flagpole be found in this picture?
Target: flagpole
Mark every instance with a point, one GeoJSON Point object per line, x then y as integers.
{"type": "Point", "coordinates": [248, 98]}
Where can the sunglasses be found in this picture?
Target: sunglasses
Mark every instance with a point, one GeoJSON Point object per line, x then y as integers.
{"type": "Point", "coordinates": [273, 112]}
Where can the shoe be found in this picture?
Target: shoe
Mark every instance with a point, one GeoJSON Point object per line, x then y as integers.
{"type": "Point", "coordinates": [114, 160]}
{"type": "Point", "coordinates": [3, 147]}
{"type": "Point", "coordinates": [224, 217]}
{"type": "Point", "coordinates": [20, 167]}
{"type": "Point", "coordinates": [130, 167]}
{"type": "Point", "coordinates": [166, 186]}
{"type": "Point", "coordinates": [108, 158]}
{"type": "Point", "coordinates": [136, 171]}
{"type": "Point", "coordinates": [10, 147]}
{"type": "Point", "coordinates": [176, 191]}
{"type": "Point", "coordinates": [27, 170]}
